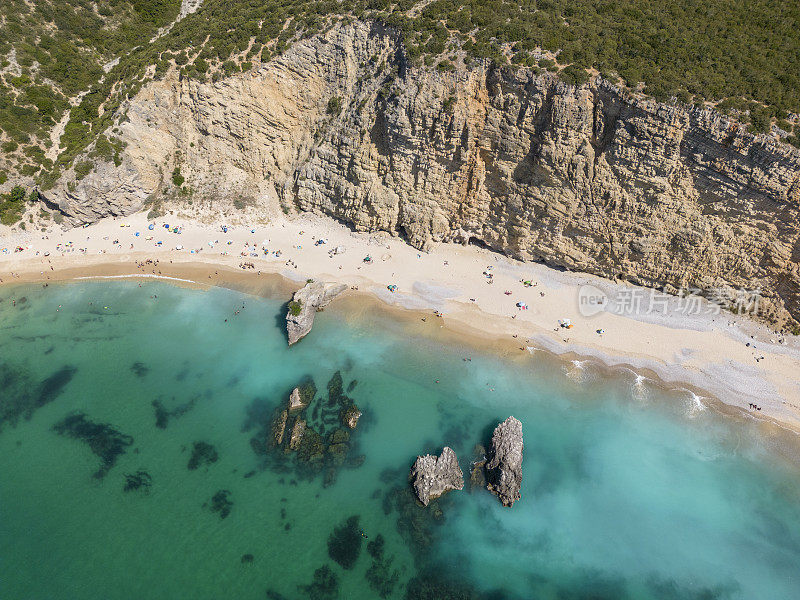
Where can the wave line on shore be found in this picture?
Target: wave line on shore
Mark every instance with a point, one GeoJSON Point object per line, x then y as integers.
{"type": "Point", "coordinates": [145, 275]}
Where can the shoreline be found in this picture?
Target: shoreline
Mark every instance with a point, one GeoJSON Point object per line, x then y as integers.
{"type": "Point", "coordinates": [707, 358]}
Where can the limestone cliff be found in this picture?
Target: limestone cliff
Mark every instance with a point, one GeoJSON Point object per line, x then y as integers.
{"type": "Point", "coordinates": [584, 178]}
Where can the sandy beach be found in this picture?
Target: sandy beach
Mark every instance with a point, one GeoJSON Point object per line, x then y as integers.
{"type": "Point", "coordinates": [716, 356]}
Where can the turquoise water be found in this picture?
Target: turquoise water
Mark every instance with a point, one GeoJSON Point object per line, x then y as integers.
{"type": "Point", "coordinates": [629, 491]}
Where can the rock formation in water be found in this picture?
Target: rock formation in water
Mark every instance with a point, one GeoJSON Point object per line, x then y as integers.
{"type": "Point", "coordinates": [308, 431]}
{"type": "Point", "coordinates": [304, 305]}
{"type": "Point", "coordinates": [350, 416]}
{"type": "Point", "coordinates": [431, 476]}
{"type": "Point", "coordinates": [477, 474]}
{"type": "Point", "coordinates": [297, 401]}
{"type": "Point", "coordinates": [504, 468]}
{"type": "Point", "coordinates": [589, 178]}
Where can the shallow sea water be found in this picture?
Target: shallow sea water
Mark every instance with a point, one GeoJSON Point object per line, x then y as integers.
{"type": "Point", "coordinates": [630, 491]}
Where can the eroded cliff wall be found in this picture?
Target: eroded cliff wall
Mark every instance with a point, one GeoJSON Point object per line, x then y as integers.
{"type": "Point", "coordinates": [581, 178]}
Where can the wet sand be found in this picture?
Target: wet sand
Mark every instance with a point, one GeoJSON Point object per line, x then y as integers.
{"type": "Point", "coordinates": [708, 355]}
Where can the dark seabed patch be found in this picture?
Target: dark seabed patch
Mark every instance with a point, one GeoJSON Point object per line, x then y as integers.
{"type": "Point", "coordinates": [163, 414]}
{"type": "Point", "coordinates": [382, 578]}
{"type": "Point", "coordinates": [20, 398]}
{"type": "Point", "coordinates": [103, 439]}
{"type": "Point", "coordinates": [140, 369]}
{"type": "Point", "coordinates": [324, 585]}
{"type": "Point", "coordinates": [344, 543]}
{"type": "Point", "coordinates": [221, 503]}
{"type": "Point", "coordinates": [140, 480]}
{"type": "Point", "coordinates": [203, 454]}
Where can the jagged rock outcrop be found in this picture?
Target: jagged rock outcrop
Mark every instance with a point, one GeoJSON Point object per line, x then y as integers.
{"type": "Point", "coordinates": [305, 304]}
{"type": "Point", "coordinates": [504, 468]}
{"type": "Point", "coordinates": [431, 476]}
{"type": "Point", "coordinates": [590, 178]}
{"type": "Point", "coordinates": [349, 416]}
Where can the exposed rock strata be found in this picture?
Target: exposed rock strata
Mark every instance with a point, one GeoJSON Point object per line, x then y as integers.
{"type": "Point", "coordinates": [504, 468]}
{"type": "Point", "coordinates": [431, 476]}
{"type": "Point", "coordinates": [585, 178]}
{"type": "Point", "coordinates": [308, 300]}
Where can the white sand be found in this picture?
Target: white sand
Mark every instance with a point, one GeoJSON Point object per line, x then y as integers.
{"type": "Point", "coordinates": [707, 352]}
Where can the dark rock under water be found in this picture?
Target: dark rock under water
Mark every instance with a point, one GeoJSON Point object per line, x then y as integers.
{"type": "Point", "coordinates": [141, 480]}
{"type": "Point", "coordinates": [20, 397]}
{"type": "Point", "coordinates": [203, 454]}
{"type": "Point", "coordinates": [103, 439]}
{"type": "Point", "coordinates": [221, 503]}
{"type": "Point", "coordinates": [344, 543]}
{"type": "Point", "coordinates": [163, 414]}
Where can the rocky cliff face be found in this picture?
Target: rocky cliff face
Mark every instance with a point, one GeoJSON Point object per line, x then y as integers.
{"type": "Point", "coordinates": [586, 178]}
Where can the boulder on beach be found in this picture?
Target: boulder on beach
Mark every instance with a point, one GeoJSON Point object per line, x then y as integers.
{"type": "Point", "coordinates": [504, 467]}
{"type": "Point", "coordinates": [431, 476]}
{"type": "Point", "coordinates": [304, 305]}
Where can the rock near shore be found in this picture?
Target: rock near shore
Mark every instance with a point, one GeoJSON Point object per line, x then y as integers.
{"type": "Point", "coordinates": [305, 304]}
{"type": "Point", "coordinates": [432, 476]}
{"type": "Point", "coordinates": [504, 469]}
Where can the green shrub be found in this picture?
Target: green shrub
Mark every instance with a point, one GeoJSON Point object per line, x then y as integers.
{"type": "Point", "coordinates": [334, 106]}
{"type": "Point", "coordinates": [82, 169]}
{"type": "Point", "coordinates": [574, 75]}
{"type": "Point", "coordinates": [177, 178]}
{"type": "Point", "coordinates": [759, 121]}
{"type": "Point", "coordinates": [17, 194]}
{"type": "Point", "coordinates": [295, 307]}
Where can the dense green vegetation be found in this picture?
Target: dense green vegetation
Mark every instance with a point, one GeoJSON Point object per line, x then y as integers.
{"type": "Point", "coordinates": [53, 50]}
{"type": "Point", "coordinates": [12, 205]}
{"type": "Point", "coordinates": [739, 53]}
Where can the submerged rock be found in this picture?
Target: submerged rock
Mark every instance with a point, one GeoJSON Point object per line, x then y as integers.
{"type": "Point", "coordinates": [296, 436]}
{"type": "Point", "coordinates": [382, 578]}
{"type": "Point", "coordinates": [344, 543]}
{"type": "Point", "coordinates": [104, 440]}
{"type": "Point", "coordinates": [477, 475]}
{"type": "Point", "coordinates": [140, 369]}
{"type": "Point", "coordinates": [324, 586]}
{"type": "Point", "coordinates": [221, 503]}
{"type": "Point", "coordinates": [432, 476]}
{"type": "Point", "coordinates": [163, 414]}
{"type": "Point", "coordinates": [203, 454]}
{"type": "Point", "coordinates": [278, 427]}
{"type": "Point", "coordinates": [140, 480]}
{"type": "Point", "coordinates": [304, 305]}
{"type": "Point", "coordinates": [504, 468]}
{"type": "Point", "coordinates": [21, 397]}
